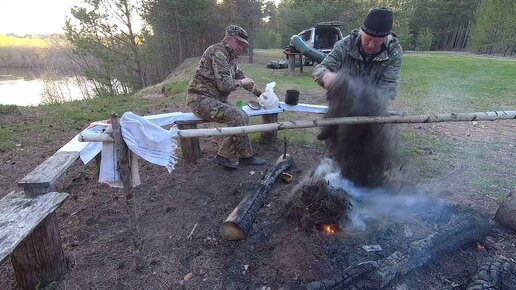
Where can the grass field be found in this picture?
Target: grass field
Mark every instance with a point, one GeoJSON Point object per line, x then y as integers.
{"type": "Point", "coordinates": [430, 83]}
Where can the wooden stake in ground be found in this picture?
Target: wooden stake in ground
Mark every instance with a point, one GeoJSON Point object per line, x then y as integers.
{"type": "Point", "coordinates": [239, 222]}
{"type": "Point", "coordinates": [124, 170]}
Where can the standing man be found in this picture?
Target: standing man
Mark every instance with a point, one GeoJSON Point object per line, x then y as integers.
{"type": "Point", "coordinates": [372, 53]}
{"type": "Point", "coordinates": [215, 78]}
{"type": "Point", "coordinates": [361, 75]}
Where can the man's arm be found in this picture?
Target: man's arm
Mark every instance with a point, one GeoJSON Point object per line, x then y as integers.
{"type": "Point", "coordinates": [330, 64]}
{"type": "Point", "coordinates": [390, 78]}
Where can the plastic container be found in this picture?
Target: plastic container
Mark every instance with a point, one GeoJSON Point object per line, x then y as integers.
{"type": "Point", "coordinates": [292, 97]}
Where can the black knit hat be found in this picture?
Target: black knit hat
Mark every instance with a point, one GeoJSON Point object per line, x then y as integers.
{"type": "Point", "coordinates": [378, 23]}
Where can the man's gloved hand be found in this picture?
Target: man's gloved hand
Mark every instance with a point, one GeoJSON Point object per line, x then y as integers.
{"type": "Point", "coordinates": [247, 84]}
{"type": "Point", "coordinates": [328, 79]}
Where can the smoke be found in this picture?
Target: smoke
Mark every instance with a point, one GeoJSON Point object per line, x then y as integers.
{"type": "Point", "coordinates": [373, 205]}
{"type": "Point", "coordinates": [365, 153]}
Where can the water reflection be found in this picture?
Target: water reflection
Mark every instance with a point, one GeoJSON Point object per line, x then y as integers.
{"type": "Point", "coordinates": [29, 87]}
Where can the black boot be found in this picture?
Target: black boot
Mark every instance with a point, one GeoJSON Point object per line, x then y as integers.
{"type": "Point", "coordinates": [253, 160]}
{"type": "Point", "coordinates": [228, 164]}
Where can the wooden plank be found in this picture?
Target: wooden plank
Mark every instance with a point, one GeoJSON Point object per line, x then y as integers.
{"type": "Point", "coordinates": [41, 179]}
{"type": "Point", "coordinates": [20, 215]}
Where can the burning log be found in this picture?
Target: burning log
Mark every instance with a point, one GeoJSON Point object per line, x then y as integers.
{"type": "Point", "coordinates": [495, 273]}
{"type": "Point", "coordinates": [461, 230]}
{"type": "Point", "coordinates": [239, 222]}
{"type": "Point", "coordinates": [316, 204]}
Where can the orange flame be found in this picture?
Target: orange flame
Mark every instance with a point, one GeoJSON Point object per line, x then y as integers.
{"type": "Point", "coordinates": [330, 229]}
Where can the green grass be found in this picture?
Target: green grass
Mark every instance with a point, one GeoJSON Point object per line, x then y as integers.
{"type": "Point", "coordinates": [430, 83]}
{"type": "Point", "coordinates": [450, 82]}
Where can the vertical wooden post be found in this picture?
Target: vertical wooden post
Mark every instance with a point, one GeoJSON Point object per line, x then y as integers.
{"type": "Point", "coordinates": [269, 137]}
{"type": "Point", "coordinates": [39, 260]}
{"type": "Point", "coordinates": [124, 170]}
{"type": "Point", "coordinates": [189, 146]}
{"type": "Point", "coordinates": [291, 63]}
{"type": "Point", "coordinates": [300, 62]}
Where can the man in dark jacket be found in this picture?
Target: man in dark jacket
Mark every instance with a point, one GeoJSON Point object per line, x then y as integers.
{"type": "Point", "coordinates": [215, 78]}
{"type": "Point", "coordinates": [371, 53]}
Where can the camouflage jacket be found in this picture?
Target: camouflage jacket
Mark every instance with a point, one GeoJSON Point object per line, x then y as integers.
{"type": "Point", "coordinates": [217, 73]}
{"type": "Point", "coordinates": [383, 70]}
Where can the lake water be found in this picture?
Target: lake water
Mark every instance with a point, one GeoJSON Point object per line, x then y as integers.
{"type": "Point", "coordinates": [25, 87]}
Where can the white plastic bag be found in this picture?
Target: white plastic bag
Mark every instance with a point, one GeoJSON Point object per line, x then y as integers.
{"type": "Point", "coordinates": [268, 99]}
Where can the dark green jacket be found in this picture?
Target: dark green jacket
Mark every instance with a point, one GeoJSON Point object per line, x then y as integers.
{"type": "Point", "coordinates": [383, 70]}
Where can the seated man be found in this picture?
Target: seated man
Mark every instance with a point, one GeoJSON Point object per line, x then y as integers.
{"type": "Point", "coordinates": [216, 76]}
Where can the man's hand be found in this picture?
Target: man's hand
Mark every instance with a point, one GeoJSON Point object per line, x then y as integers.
{"type": "Point", "coordinates": [247, 84]}
{"type": "Point", "coordinates": [328, 79]}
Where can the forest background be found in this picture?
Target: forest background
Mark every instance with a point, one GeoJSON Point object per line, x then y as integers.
{"type": "Point", "coordinates": [104, 45]}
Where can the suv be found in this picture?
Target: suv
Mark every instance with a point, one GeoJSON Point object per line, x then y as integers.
{"type": "Point", "coordinates": [322, 36]}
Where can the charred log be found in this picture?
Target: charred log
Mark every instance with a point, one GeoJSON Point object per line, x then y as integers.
{"type": "Point", "coordinates": [495, 273]}
{"type": "Point", "coordinates": [239, 222]}
{"type": "Point", "coordinates": [459, 231]}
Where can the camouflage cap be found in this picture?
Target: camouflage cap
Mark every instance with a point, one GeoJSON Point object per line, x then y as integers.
{"type": "Point", "coordinates": [238, 32]}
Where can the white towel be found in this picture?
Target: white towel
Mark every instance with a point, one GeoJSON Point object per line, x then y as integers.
{"type": "Point", "coordinates": [149, 141]}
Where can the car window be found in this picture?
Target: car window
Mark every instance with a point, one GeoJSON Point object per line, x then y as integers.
{"type": "Point", "coordinates": [306, 35]}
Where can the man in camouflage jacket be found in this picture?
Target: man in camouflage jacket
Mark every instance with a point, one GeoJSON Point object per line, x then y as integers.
{"type": "Point", "coordinates": [372, 53]}
{"type": "Point", "coordinates": [215, 78]}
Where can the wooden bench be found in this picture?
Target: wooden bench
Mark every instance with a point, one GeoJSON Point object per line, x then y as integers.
{"type": "Point", "coordinates": [29, 234]}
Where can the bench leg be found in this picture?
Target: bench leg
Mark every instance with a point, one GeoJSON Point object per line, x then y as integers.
{"type": "Point", "coordinates": [190, 146]}
{"type": "Point", "coordinates": [39, 260]}
{"type": "Point", "coordinates": [291, 64]}
{"type": "Point", "coordinates": [269, 137]}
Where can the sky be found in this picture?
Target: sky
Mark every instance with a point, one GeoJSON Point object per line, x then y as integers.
{"type": "Point", "coordinates": [36, 16]}
{"type": "Point", "coordinates": [33, 16]}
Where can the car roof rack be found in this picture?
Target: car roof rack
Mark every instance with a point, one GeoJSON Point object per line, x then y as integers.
{"type": "Point", "coordinates": [330, 23]}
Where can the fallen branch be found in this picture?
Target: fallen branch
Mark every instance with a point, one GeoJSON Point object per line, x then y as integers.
{"type": "Point", "coordinates": [239, 222]}
{"type": "Point", "coordinates": [436, 118]}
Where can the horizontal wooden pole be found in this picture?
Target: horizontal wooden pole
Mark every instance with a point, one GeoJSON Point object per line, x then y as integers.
{"type": "Point", "coordinates": [436, 118]}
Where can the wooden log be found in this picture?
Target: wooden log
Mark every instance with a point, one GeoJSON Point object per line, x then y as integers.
{"type": "Point", "coordinates": [496, 272]}
{"type": "Point", "coordinates": [189, 146]}
{"type": "Point", "coordinates": [269, 137]}
{"type": "Point", "coordinates": [29, 230]}
{"type": "Point", "coordinates": [506, 213]}
{"type": "Point", "coordinates": [124, 169]}
{"type": "Point", "coordinates": [39, 260]}
{"type": "Point", "coordinates": [300, 124]}
{"type": "Point", "coordinates": [239, 222]}
{"type": "Point", "coordinates": [461, 230]}
{"type": "Point", "coordinates": [42, 179]}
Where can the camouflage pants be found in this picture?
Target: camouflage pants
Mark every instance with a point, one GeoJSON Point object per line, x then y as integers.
{"type": "Point", "coordinates": [213, 110]}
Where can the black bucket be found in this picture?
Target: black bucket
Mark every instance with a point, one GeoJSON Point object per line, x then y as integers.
{"type": "Point", "coordinates": [292, 97]}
